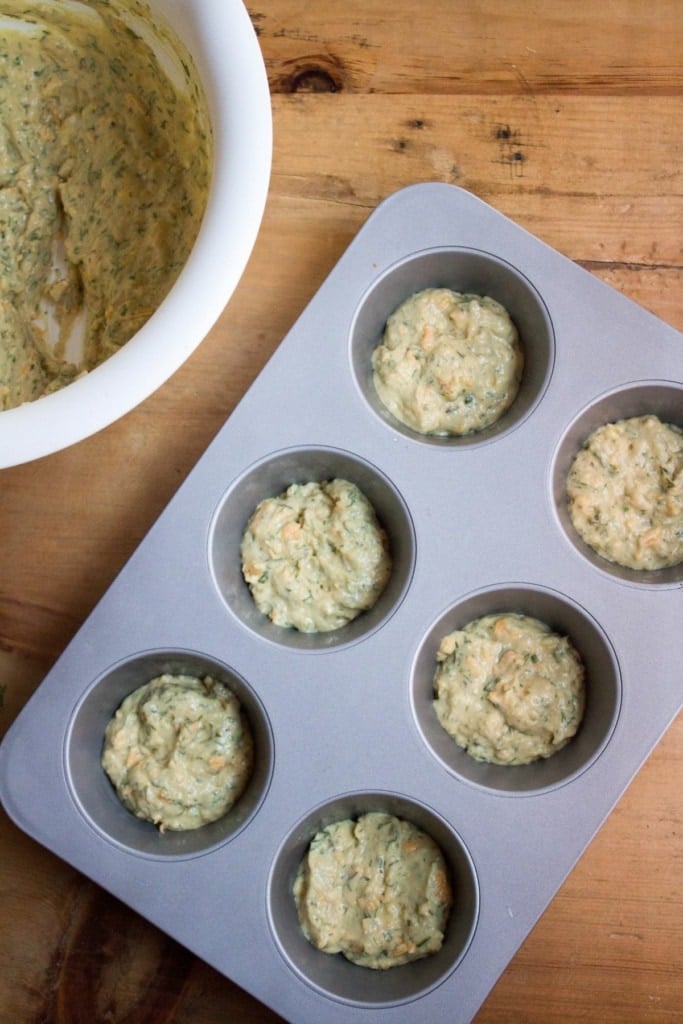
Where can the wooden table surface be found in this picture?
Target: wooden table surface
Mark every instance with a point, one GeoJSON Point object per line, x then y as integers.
{"type": "Point", "coordinates": [566, 117]}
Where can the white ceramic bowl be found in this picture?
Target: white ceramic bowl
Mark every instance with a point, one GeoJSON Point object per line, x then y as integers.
{"type": "Point", "coordinates": [221, 39]}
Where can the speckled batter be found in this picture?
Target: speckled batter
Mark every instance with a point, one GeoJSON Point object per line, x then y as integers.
{"type": "Point", "coordinates": [374, 889]}
{"type": "Point", "coordinates": [508, 689]}
{"type": "Point", "coordinates": [179, 751]}
{"type": "Point", "coordinates": [104, 171]}
{"type": "Point", "coordinates": [315, 556]}
{"type": "Point", "coordinates": [448, 363]}
{"type": "Point", "coordinates": [625, 491]}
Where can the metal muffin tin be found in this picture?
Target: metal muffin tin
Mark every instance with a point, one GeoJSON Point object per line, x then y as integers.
{"type": "Point", "coordinates": [343, 721]}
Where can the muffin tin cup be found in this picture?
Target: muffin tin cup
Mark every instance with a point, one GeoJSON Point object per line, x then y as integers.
{"type": "Point", "coordinates": [334, 976]}
{"type": "Point", "coordinates": [272, 476]}
{"type": "Point", "coordinates": [96, 797]}
{"type": "Point", "coordinates": [343, 722]}
{"type": "Point", "coordinates": [636, 398]}
{"type": "Point", "coordinates": [603, 689]}
{"type": "Point", "coordinates": [467, 271]}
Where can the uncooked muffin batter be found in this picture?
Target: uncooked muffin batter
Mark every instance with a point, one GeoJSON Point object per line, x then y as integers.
{"type": "Point", "coordinates": [448, 363]}
{"type": "Point", "coordinates": [375, 889]}
{"type": "Point", "coordinates": [508, 689]}
{"type": "Point", "coordinates": [179, 751]}
{"type": "Point", "coordinates": [104, 170]}
{"type": "Point", "coordinates": [625, 491]}
{"type": "Point", "coordinates": [315, 556]}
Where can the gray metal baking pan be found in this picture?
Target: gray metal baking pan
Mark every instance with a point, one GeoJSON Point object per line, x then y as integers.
{"type": "Point", "coordinates": [343, 721]}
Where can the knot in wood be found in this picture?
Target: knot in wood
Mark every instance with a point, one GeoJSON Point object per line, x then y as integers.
{"type": "Point", "coordinates": [316, 75]}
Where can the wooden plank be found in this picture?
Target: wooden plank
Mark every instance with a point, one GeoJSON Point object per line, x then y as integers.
{"type": "Point", "coordinates": [484, 47]}
{"type": "Point", "coordinates": [546, 162]}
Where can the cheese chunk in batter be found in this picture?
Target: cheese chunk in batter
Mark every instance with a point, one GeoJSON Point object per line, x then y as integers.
{"type": "Point", "coordinates": [625, 491]}
{"type": "Point", "coordinates": [375, 889]}
{"type": "Point", "coordinates": [179, 751]}
{"type": "Point", "coordinates": [449, 363]}
{"type": "Point", "coordinates": [315, 556]}
{"type": "Point", "coordinates": [508, 689]}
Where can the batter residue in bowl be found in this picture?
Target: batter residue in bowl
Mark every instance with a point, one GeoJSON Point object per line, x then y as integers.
{"type": "Point", "coordinates": [104, 171]}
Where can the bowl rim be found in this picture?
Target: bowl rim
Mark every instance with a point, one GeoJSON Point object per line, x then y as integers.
{"type": "Point", "coordinates": [238, 95]}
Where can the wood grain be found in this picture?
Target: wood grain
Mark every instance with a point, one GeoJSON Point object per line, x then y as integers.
{"type": "Point", "coordinates": [564, 116]}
